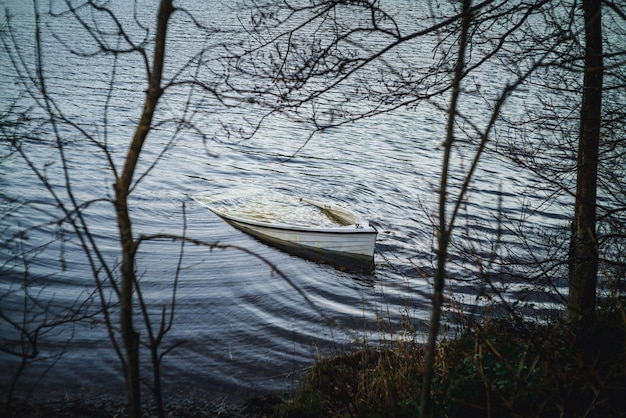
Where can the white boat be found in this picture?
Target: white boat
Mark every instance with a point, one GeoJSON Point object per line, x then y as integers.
{"type": "Point", "coordinates": [318, 231]}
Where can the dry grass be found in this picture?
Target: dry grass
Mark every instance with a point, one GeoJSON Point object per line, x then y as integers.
{"type": "Point", "coordinates": [501, 367]}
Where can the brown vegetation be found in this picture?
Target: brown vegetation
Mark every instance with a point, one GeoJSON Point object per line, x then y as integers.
{"type": "Point", "coordinates": [502, 367]}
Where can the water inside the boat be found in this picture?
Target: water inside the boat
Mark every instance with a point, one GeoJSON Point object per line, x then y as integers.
{"type": "Point", "coordinates": [270, 207]}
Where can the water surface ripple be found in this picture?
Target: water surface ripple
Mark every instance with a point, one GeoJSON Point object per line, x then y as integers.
{"type": "Point", "coordinates": [238, 326]}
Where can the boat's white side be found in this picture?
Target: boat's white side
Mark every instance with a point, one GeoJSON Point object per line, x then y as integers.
{"type": "Point", "coordinates": [358, 239]}
{"type": "Point", "coordinates": [354, 240]}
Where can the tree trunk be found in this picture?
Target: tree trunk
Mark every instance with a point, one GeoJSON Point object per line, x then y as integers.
{"type": "Point", "coordinates": [583, 252]}
{"type": "Point", "coordinates": [130, 337]}
{"type": "Point", "coordinates": [122, 190]}
{"type": "Point", "coordinates": [443, 238]}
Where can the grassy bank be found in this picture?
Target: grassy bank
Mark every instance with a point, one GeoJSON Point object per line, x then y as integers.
{"type": "Point", "coordinates": [501, 367]}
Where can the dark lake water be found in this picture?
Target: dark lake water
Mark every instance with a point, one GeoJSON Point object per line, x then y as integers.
{"type": "Point", "coordinates": [240, 327]}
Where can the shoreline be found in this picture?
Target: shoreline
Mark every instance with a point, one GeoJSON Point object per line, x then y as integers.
{"type": "Point", "coordinates": [75, 406]}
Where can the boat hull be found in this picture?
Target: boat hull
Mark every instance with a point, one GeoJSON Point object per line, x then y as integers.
{"type": "Point", "coordinates": [351, 250]}
{"type": "Point", "coordinates": [348, 243]}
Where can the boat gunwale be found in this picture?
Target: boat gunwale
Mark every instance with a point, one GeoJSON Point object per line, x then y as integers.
{"type": "Point", "coordinates": [365, 227]}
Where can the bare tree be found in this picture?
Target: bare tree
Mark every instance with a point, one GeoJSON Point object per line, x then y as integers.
{"type": "Point", "coordinates": [122, 187]}
{"type": "Point", "coordinates": [39, 316]}
{"type": "Point", "coordinates": [337, 62]}
{"type": "Point", "coordinates": [42, 131]}
{"type": "Point", "coordinates": [324, 63]}
{"type": "Point", "coordinates": [584, 252]}
{"type": "Point", "coordinates": [46, 108]}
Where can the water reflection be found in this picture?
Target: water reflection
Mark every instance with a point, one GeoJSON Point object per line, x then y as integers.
{"type": "Point", "coordinates": [238, 326]}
